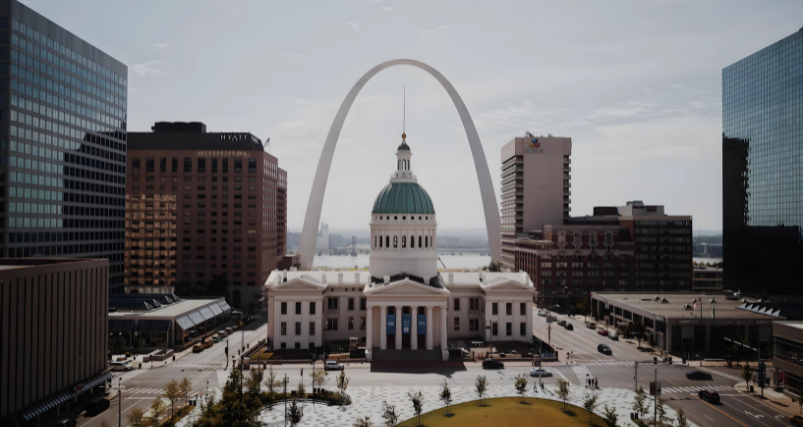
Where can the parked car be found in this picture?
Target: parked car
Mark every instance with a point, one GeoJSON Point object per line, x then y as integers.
{"type": "Point", "coordinates": [223, 333]}
{"type": "Point", "coordinates": [332, 365]}
{"type": "Point", "coordinates": [209, 342]}
{"type": "Point", "coordinates": [591, 325]}
{"type": "Point", "coordinates": [603, 332]}
{"type": "Point", "coordinates": [569, 326]}
{"type": "Point", "coordinates": [492, 364]}
{"type": "Point", "coordinates": [561, 322]}
{"type": "Point", "coordinates": [604, 349]}
{"type": "Point", "coordinates": [540, 372]}
{"type": "Point", "coordinates": [614, 336]}
{"type": "Point", "coordinates": [197, 348]}
{"type": "Point", "coordinates": [66, 423]}
{"type": "Point", "coordinates": [698, 375]}
{"type": "Point", "coordinates": [551, 318]}
{"type": "Point", "coordinates": [543, 312]}
{"type": "Point", "coordinates": [97, 405]}
{"type": "Point", "coordinates": [796, 420]}
{"type": "Point", "coordinates": [709, 396]}
{"type": "Point", "coordinates": [121, 366]}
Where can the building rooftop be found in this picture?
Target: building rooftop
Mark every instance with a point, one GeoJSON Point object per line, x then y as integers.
{"type": "Point", "coordinates": [672, 305]}
{"type": "Point", "coordinates": [173, 310]}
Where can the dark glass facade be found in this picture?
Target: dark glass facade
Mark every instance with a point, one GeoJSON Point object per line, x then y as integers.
{"type": "Point", "coordinates": [62, 143]}
{"type": "Point", "coordinates": [762, 170]}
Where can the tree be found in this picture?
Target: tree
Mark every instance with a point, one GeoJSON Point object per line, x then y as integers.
{"type": "Point", "coordinates": [589, 404]}
{"type": "Point", "coordinates": [640, 402]}
{"type": "Point", "coordinates": [208, 409]}
{"type": "Point", "coordinates": [319, 377]}
{"type": "Point", "coordinates": [584, 307]}
{"type": "Point", "coordinates": [157, 408]}
{"type": "Point", "coordinates": [746, 374]}
{"type": "Point", "coordinates": [389, 414]}
{"type": "Point", "coordinates": [417, 399]}
{"type": "Point", "coordinates": [660, 412]}
{"type": "Point", "coordinates": [135, 417]}
{"type": "Point", "coordinates": [342, 382]}
{"type": "Point", "coordinates": [272, 382]}
{"type": "Point", "coordinates": [172, 392]}
{"type": "Point", "coordinates": [363, 422]}
{"type": "Point", "coordinates": [481, 386]}
{"type": "Point", "coordinates": [495, 266]}
{"type": "Point", "coordinates": [680, 419]}
{"type": "Point", "coordinates": [563, 392]}
{"type": "Point", "coordinates": [256, 376]}
{"type": "Point", "coordinates": [521, 386]}
{"type": "Point", "coordinates": [185, 388]}
{"type": "Point", "coordinates": [446, 395]}
{"type": "Point", "coordinates": [295, 413]}
{"type": "Point", "coordinates": [610, 416]}
{"type": "Point", "coordinates": [638, 328]}
{"type": "Point", "coordinates": [301, 391]}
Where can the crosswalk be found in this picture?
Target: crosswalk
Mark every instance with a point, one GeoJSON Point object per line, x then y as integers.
{"type": "Point", "coordinates": [141, 391]}
{"type": "Point", "coordinates": [611, 363]}
{"type": "Point", "coordinates": [669, 390]}
{"type": "Point", "coordinates": [200, 365]}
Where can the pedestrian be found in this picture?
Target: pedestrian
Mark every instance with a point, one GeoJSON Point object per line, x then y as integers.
{"type": "Point", "coordinates": [567, 357]}
{"type": "Point", "coordinates": [348, 361]}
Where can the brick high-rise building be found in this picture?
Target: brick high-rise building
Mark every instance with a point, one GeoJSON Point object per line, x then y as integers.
{"type": "Point", "coordinates": [62, 143]}
{"type": "Point", "coordinates": [202, 205]}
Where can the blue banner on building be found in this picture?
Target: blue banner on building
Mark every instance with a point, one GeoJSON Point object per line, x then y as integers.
{"type": "Point", "coordinates": [407, 323]}
{"type": "Point", "coordinates": [422, 324]}
{"type": "Point", "coordinates": [391, 324]}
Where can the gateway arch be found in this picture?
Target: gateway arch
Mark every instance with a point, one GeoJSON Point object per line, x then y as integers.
{"type": "Point", "coordinates": [313, 217]}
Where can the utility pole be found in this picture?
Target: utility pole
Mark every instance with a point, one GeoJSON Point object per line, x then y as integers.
{"type": "Point", "coordinates": [636, 378]}
{"type": "Point", "coordinates": [655, 398]}
{"type": "Point", "coordinates": [285, 400]}
{"type": "Point", "coordinates": [120, 403]}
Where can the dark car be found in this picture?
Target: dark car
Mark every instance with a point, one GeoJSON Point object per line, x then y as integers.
{"type": "Point", "coordinates": [492, 364]}
{"type": "Point", "coordinates": [796, 420]}
{"type": "Point", "coordinates": [97, 405]}
{"type": "Point", "coordinates": [709, 396]}
{"type": "Point", "coordinates": [569, 327]}
{"type": "Point", "coordinates": [698, 375]}
{"type": "Point", "coordinates": [66, 423]}
{"type": "Point", "coordinates": [604, 349]}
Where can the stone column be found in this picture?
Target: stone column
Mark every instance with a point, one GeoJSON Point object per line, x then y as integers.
{"type": "Point", "coordinates": [529, 314]}
{"type": "Point", "coordinates": [369, 329]}
{"type": "Point", "coordinates": [443, 328]}
{"type": "Point", "coordinates": [277, 322]}
{"type": "Point", "coordinates": [320, 324]}
{"type": "Point", "coordinates": [383, 330]}
{"type": "Point", "coordinates": [398, 327]}
{"type": "Point", "coordinates": [414, 329]}
{"type": "Point", "coordinates": [429, 328]}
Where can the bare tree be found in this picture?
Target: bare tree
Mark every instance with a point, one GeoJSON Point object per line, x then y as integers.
{"type": "Point", "coordinates": [521, 386]}
{"type": "Point", "coordinates": [185, 388]}
{"type": "Point", "coordinates": [135, 417]}
{"type": "Point", "coordinates": [446, 395]}
{"type": "Point", "coordinates": [563, 392]}
{"type": "Point", "coordinates": [157, 408]}
{"type": "Point", "coordinates": [172, 392]}
{"type": "Point", "coordinates": [417, 399]}
{"type": "Point", "coordinates": [272, 381]}
{"type": "Point", "coordinates": [660, 410]}
{"type": "Point", "coordinates": [301, 391]}
{"type": "Point", "coordinates": [681, 418]}
{"type": "Point", "coordinates": [319, 377]}
{"type": "Point", "coordinates": [610, 416]}
{"type": "Point", "coordinates": [589, 404]}
{"type": "Point", "coordinates": [257, 375]}
{"type": "Point", "coordinates": [342, 382]}
{"type": "Point", "coordinates": [481, 386]}
{"type": "Point", "coordinates": [389, 414]}
{"type": "Point", "coordinates": [640, 404]}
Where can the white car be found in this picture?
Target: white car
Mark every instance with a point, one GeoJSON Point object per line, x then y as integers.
{"type": "Point", "coordinates": [331, 365]}
{"type": "Point", "coordinates": [543, 312]}
{"type": "Point", "coordinates": [121, 366]}
{"type": "Point", "coordinates": [536, 372]}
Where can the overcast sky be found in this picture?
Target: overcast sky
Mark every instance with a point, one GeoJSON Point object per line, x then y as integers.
{"type": "Point", "coordinates": [635, 84]}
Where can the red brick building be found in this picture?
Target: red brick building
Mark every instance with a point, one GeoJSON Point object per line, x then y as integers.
{"type": "Point", "coordinates": [202, 205]}
{"type": "Point", "coordinates": [632, 248]}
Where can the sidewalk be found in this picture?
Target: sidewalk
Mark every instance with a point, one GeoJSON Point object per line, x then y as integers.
{"type": "Point", "coordinates": [773, 399]}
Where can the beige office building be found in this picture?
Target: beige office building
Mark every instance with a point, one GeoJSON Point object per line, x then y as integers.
{"type": "Point", "coordinates": [53, 334]}
{"type": "Point", "coordinates": [536, 187]}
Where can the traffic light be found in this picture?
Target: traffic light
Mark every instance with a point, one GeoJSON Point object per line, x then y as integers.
{"type": "Point", "coordinates": [655, 360]}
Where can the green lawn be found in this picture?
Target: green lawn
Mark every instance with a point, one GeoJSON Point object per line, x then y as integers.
{"type": "Point", "coordinates": [507, 412]}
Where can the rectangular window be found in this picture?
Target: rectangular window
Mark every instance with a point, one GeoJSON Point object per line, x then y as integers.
{"type": "Point", "coordinates": [473, 324]}
{"type": "Point", "coordinates": [523, 329]}
{"type": "Point", "coordinates": [523, 309]}
{"type": "Point", "coordinates": [201, 164]}
{"type": "Point", "coordinates": [174, 164]}
{"type": "Point", "coordinates": [188, 165]}
{"type": "Point", "coordinates": [163, 164]}
{"type": "Point", "coordinates": [298, 328]}
{"type": "Point", "coordinates": [332, 303]}
{"type": "Point", "coordinates": [495, 329]}
{"type": "Point", "coordinates": [331, 324]}
{"type": "Point", "coordinates": [135, 164]}
{"type": "Point", "coordinates": [297, 346]}
{"type": "Point", "coordinates": [494, 308]}
{"type": "Point", "coordinates": [312, 328]}
{"type": "Point", "coordinates": [351, 323]}
{"type": "Point", "coordinates": [456, 323]}
{"type": "Point", "coordinates": [473, 303]}
{"type": "Point", "coordinates": [238, 165]}
{"type": "Point", "coordinates": [214, 165]}
{"type": "Point", "coordinates": [298, 308]}
{"type": "Point", "coordinates": [362, 304]}
{"type": "Point", "coordinates": [225, 163]}
{"type": "Point", "coordinates": [312, 308]}
{"type": "Point", "coordinates": [284, 308]}
{"type": "Point", "coordinates": [252, 165]}
{"type": "Point", "coordinates": [362, 323]}
{"type": "Point", "coordinates": [284, 345]}
{"type": "Point", "coordinates": [457, 304]}
{"type": "Point", "coordinates": [509, 329]}
{"type": "Point", "coordinates": [351, 304]}
{"type": "Point", "coordinates": [149, 164]}
{"type": "Point", "coordinates": [509, 308]}
{"type": "Point", "coordinates": [284, 328]}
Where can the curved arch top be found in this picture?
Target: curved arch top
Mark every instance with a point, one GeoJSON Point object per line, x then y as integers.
{"type": "Point", "coordinates": [313, 216]}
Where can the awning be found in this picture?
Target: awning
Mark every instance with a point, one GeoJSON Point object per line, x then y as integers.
{"type": "Point", "coordinates": [46, 405]}
{"type": "Point", "coordinates": [94, 381]}
{"type": "Point", "coordinates": [224, 306]}
{"type": "Point", "coordinates": [153, 325]}
{"type": "Point", "coordinates": [196, 318]}
{"type": "Point", "coordinates": [206, 313]}
{"type": "Point", "coordinates": [121, 325]}
{"type": "Point", "coordinates": [215, 309]}
{"type": "Point", "coordinates": [185, 322]}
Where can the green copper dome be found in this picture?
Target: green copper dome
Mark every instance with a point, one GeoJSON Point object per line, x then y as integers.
{"type": "Point", "coordinates": [403, 198]}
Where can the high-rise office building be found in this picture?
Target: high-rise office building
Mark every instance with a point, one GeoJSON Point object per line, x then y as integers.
{"type": "Point", "coordinates": [536, 187]}
{"type": "Point", "coordinates": [62, 143]}
{"type": "Point", "coordinates": [762, 170]}
{"type": "Point", "coordinates": [201, 205]}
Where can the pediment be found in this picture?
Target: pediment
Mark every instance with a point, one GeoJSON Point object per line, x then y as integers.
{"type": "Point", "coordinates": [502, 284]}
{"type": "Point", "coordinates": [301, 283]}
{"type": "Point", "coordinates": [404, 287]}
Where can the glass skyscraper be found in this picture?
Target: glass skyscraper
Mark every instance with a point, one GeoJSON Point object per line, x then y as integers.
{"type": "Point", "coordinates": [762, 170]}
{"type": "Point", "coordinates": [62, 143]}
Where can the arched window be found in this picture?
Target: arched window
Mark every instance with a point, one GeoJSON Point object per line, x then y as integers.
{"type": "Point", "coordinates": [387, 241]}
{"type": "Point", "coordinates": [404, 241]}
{"type": "Point", "coordinates": [375, 241]}
{"type": "Point", "coordinates": [380, 241]}
{"type": "Point", "coordinates": [419, 241]}
{"type": "Point", "coordinates": [395, 241]}
{"type": "Point", "coordinates": [426, 241]}
{"type": "Point", "coordinates": [412, 241]}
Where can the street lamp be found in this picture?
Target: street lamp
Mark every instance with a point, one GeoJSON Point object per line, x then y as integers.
{"type": "Point", "coordinates": [120, 403]}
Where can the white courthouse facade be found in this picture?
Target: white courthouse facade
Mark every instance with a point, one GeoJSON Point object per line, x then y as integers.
{"type": "Point", "coordinates": [403, 302]}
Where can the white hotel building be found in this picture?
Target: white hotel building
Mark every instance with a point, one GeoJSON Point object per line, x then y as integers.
{"type": "Point", "coordinates": [403, 302]}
